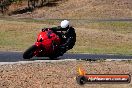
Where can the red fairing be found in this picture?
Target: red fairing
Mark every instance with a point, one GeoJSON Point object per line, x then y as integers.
{"type": "Point", "coordinates": [47, 40]}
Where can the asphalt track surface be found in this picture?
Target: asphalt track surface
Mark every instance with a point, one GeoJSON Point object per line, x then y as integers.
{"type": "Point", "coordinates": [17, 56]}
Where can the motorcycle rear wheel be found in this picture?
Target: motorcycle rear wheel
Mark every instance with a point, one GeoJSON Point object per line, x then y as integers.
{"type": "Point", "coordinates": [55, 56]}
{"type": "Point", "coordinates": [29, 53]}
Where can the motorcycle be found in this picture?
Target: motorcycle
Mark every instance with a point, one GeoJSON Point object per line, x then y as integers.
{"type": "Point", "coordinates": [47, 45]}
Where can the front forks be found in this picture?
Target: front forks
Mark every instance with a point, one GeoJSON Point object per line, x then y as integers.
{"type": "Point", "coordinates": [39, 50]}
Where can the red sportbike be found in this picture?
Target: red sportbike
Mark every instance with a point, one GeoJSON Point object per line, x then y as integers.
{"type": "Point", "coordinates": [47, 45]}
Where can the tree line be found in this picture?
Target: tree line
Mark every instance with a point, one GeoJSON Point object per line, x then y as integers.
{"type": "Point", "coordinates": [4, 4]}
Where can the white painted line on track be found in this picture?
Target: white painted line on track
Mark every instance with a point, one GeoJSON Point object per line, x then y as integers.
{"type": "Point", "coordinates": [34, 61]}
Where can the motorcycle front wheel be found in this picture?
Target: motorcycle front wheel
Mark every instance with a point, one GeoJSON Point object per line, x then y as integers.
{"type": "Point", "coordinates": [29, 53]}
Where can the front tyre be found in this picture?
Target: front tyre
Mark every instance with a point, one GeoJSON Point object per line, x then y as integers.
{"type": "Point", "coordinates": [29, 53]}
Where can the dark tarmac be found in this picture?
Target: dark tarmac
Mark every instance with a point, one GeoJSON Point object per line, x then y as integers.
{"type": "Point", "coordinates": [17, 56]}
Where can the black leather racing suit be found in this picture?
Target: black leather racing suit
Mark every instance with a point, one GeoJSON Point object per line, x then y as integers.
{"type": "Point", "coordinates": [69, 34]}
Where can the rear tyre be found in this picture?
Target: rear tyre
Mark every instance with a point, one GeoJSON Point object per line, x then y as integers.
{"type": "Point", "coordinates": [29, 53]}
{"type": "Point", "coordinates": [54, 57]}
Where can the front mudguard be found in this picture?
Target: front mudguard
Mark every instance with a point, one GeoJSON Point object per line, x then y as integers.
{"type": "Point", "coordinates": [38, 50]}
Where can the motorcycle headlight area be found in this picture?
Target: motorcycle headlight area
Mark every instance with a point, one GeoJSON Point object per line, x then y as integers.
{"type": "Point", "coordinates": [39, 40]}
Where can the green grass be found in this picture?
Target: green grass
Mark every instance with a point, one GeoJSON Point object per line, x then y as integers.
{"type": "Point", "coordinates": [119, 27]}
{"type": "Point", "coordinates": [92, 37]}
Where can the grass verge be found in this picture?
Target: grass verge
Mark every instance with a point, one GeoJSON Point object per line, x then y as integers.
{"type": "Point", "coordinates": [92, 37]}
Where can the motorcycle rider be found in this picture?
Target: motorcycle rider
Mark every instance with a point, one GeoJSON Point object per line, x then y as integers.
{"type": "Point", "coordinates": [69, 35]}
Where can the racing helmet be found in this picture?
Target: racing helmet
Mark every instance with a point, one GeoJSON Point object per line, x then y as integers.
{"type": "Point", "coordinates": [64, 24]}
